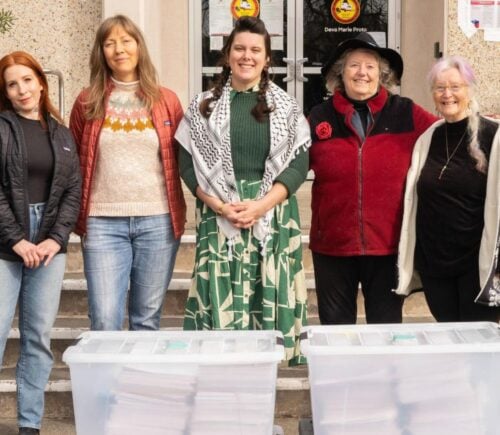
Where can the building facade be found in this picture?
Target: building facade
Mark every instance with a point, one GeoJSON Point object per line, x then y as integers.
{"type": "Point", "coordinates": [60, 34]}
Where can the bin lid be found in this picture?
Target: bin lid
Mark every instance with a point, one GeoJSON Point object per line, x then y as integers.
{"type": "Point", "coordinates": [401, 338]}
{"type": "Point", "coordinates": [201, 347]}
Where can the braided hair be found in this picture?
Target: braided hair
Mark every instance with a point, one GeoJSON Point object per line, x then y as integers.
{"type": "Point", "coordinates": [261, 110]}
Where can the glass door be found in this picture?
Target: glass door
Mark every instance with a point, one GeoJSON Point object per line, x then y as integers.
{"type": "Point", "coordinates": [323, 24]}
{"type": "Point", "coordinates": [304, 33]}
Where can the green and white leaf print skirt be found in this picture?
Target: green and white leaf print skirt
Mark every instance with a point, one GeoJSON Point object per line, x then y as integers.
{"type": "Point", "coordinates": [250, 290]}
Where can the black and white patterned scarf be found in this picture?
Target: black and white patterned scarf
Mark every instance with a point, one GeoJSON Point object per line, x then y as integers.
{"type": "Point", "coordinates": [209, 143]}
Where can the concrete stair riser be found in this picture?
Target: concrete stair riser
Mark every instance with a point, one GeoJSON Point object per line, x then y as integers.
{"type": "Point", "coordinates": [74, 300]}
{"type": "Point", "coordinates": [183, 263]}
{"type": "Point", "coordinates": [58, 405]}
{"type": "Point", "coordinates": [73, 320]}
{"type": "Point", "coordinates": [73, 311]}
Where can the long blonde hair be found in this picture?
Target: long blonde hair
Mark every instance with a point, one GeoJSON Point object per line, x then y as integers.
{"type": "Point", "coordinates": [100, 71]}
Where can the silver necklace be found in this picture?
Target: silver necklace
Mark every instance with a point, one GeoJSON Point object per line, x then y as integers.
{"type": "Point", "coordinates": [448, 155]}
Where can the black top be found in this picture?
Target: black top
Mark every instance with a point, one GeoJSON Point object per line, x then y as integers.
{"type": "Point", "coordinates": [40, 159]}
{"type": "Point", "coordinates": [62, 205]}
{"type": "Point", "coordinates": [364, 114]}
{"type": "Point", "coordinates": [450, 211]}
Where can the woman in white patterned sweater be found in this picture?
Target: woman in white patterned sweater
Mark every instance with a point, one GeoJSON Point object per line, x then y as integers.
{"type": "Point", "coordinates": [133, 209]}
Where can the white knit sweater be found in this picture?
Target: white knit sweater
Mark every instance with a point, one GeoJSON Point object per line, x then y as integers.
{"type": "Point", "coordinates": [128, 179]}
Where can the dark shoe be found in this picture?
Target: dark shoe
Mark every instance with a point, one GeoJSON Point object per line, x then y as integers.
{"type": "Point", "coordinates": [28, 431]}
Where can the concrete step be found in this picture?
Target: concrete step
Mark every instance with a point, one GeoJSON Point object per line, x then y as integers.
{"type": "Point", "coordinates": [74, 294]}
{"type": "Point", "coordinates": [68, 328]}
{"type": "Point", "coordinates": [64, 333]}
{"type": "Point", "coordinates": [50, 426]}
{"type": "Point", "coordinates": [74, 300]}
{"type": "Point", "coordinates": [72, 319]}
{"type": "Point", "coordinates": [185, 255]}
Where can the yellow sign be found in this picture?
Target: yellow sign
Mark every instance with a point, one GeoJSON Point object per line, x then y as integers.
{"type": "Point", "coordinates": [345, 11]}
{"type": "Point", "coordinates": [244, 8]}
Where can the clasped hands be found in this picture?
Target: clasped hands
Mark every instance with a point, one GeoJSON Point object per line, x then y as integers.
{"type": "Point", "coordinates": [242, 214]}
{"type": "Point", "coordinates": [34, 255]}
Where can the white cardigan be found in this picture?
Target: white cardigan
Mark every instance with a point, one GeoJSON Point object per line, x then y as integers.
{"type": "Point", "coordinates": [409, 279]}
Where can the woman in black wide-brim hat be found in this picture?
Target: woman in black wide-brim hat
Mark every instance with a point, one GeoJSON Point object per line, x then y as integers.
{"type": "Point", "coordinates": [363, 137]}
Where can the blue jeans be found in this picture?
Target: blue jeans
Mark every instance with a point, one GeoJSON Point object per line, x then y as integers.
{"type": "Point", "coordinates": [117, 250]}
{"type": "Point", "coordinates": [38, 291]}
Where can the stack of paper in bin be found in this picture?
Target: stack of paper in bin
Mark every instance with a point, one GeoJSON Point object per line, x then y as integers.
{"type": "Point", "coordinates": [355, 404]}
{"type": "Point", "coordinates": [147, 402]}
{"type": "Point", "coordinates": [452, 407]}
{"type": "Point", "coordinates": [237, 401]}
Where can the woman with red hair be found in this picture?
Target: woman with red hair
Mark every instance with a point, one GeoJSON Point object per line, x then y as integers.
{"type": "Point", "coordinates": [39, 204]}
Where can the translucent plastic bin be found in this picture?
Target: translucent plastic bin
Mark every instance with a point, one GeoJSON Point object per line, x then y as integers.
{"type": "Point", "coordinates": [207, 382]}
{"type": "Point", "coordinates": [411, 379]}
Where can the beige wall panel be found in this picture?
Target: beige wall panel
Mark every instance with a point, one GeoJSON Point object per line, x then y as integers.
{"type": "Point", "coordinates": [173, 49]}
{"type": "Point", "coordinates": [165, 26]}
{"type": "Point", "coordinates": [422, 24]}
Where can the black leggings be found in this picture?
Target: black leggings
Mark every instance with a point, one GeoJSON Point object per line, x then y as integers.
{"type": "Point", "coordinates": [337, 284]}
{"type": "Point", "coordinates": [452, 299]}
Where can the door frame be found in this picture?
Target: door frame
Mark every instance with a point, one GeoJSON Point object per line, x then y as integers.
{"type": "Point", "coordinates": [295, 44]}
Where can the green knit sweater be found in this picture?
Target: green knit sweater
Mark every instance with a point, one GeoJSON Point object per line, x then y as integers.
{"type": "Point", "coordinates": [250, 143]}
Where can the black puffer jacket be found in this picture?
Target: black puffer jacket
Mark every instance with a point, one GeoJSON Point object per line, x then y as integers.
{"type": "Point", "coordinates": [63, 204]}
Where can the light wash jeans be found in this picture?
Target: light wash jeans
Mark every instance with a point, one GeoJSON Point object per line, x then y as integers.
{"type": "Point", "coordinates": [118, 250]}
{"type": "Point", "coordinates": [38, 291]}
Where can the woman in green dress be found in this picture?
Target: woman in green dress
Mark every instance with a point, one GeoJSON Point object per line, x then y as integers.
{"type": "Point", "coordinates": [244, 154]}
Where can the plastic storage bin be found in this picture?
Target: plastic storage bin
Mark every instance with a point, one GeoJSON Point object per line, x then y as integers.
{"type": "Point", "coordinates": [207, 382]}
{"type": "Point", "coordinates": [410, 379]}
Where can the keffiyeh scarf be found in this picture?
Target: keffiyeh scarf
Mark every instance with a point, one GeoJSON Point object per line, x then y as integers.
{"type": "Point", "coordinates": [209, 143]}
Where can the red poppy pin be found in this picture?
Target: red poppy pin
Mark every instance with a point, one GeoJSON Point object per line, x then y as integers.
{"type": "Point", "coordinates": [324, 130]}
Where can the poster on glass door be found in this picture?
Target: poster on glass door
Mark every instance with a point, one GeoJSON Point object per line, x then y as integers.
{"type": "Point", "coordinates": [329, 22]}
{"type": "Point", "coordinates": [223, 13]}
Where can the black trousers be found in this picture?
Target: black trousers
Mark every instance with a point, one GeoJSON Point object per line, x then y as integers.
{"type": "Point", "coordinates": [452, 299]}
{"type": "Point", "coordinates": [337, 284]}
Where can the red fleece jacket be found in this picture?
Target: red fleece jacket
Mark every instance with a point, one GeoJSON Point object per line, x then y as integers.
{"type": "Point", "coordinates": [166, 115]}
{"type": "Point", "coordinates": [357, 193]}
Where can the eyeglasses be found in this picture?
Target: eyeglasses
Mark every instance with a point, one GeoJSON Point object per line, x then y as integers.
{"type": "Point", "coordinates": [454, 89]}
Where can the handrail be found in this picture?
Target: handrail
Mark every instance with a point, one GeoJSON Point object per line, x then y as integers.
{"type": "Point", "coordinates": [60, 81]}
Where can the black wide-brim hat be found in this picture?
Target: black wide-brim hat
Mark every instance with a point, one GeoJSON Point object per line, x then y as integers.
{"type": "Point", "coordinates": [365, 40]}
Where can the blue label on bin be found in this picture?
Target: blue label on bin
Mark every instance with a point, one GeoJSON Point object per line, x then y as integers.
{"type": "Point", "coordinates": [404, 338]}
{"type": "Point", "coordinates": [177, 345]}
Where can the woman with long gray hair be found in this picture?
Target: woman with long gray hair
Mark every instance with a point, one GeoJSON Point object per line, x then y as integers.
{"type": "Point", "coordinates": [449, 241]}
